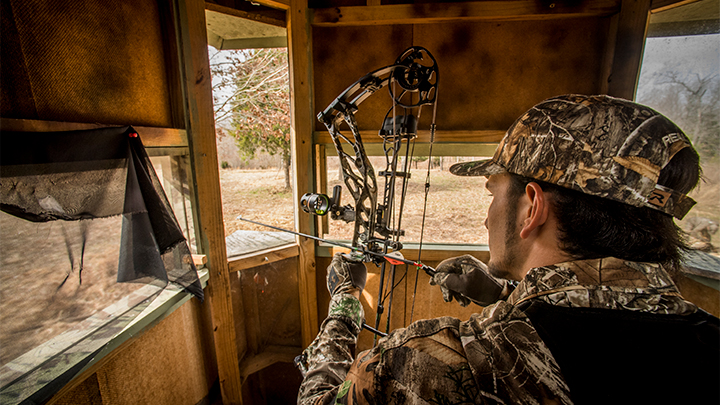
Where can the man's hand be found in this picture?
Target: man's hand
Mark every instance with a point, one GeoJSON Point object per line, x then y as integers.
{"type": "Point", "coordinates": [467, 279]}
{"type": "Point", "coordinates": [346, 274]}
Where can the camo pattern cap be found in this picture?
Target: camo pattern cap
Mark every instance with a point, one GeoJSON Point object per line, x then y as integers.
{"type": "Point", "coordinates": [599, 145]}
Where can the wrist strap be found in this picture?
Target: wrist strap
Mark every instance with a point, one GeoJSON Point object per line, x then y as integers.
{"type": "Point", "coordinates": [347, 308]}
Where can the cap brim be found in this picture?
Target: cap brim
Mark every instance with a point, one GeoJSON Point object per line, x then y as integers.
{"type": "Point", "coordinates": [477, 168]}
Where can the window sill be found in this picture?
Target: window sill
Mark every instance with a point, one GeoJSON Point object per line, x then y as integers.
{"type": "Point", "coordinates": [167, 301]}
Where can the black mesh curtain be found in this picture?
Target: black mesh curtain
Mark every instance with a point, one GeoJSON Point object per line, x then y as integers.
{"type": "Point", "coordinates": [87, 178]}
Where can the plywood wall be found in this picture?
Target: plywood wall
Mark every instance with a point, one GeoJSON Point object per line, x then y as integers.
{"type": "Point", "coordinates": [268, 297]}
{"type": "Point", "coordinates": [171, 363]}
{"type": "Point", "coordinates": [490, 72]}
{"type": "Point", "coordinates": [94, 62]}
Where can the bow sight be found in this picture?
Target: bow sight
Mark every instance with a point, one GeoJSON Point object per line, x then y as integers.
{"type": "Point", "coordinates": [321, 204]}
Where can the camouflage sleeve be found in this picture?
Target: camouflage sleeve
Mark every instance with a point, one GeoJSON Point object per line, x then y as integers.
{"type": "Point", "coordinates": [328, 358]}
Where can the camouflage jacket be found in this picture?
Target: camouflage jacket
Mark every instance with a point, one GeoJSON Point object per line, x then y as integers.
{"type": "Point", "coordinates": [495, 357]}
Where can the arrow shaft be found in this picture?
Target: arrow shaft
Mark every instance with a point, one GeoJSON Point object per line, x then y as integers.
{"type": "Point", "coordinates": [391, 259]}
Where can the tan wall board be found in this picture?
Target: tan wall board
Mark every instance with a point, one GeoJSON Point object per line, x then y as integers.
{"type": "Point", "coordinates": [87, 392]}
{"type": "Point", "coordinates": [240, 315]}
{"type": "Point", "coordinates": [271, 302]}
{"type": "Point", "coordinates": [454, 12]}
{"type": "Point", "coordinates": [91, 61]}
{"type": "Point", "coordinates": [172, 363]}
{"type": "Point", "coordinates": [699, 294]}
{"type": "Point", "coordinates": [490, 72]}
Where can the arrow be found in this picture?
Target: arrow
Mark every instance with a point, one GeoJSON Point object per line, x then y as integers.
{"type": "Point", "coordinates": [394, 258]}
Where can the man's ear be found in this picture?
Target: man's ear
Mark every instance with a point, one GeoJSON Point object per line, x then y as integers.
{"type": "Point", "coordinates": [538, 211]}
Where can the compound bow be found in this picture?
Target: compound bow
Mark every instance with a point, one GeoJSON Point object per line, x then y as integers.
{"type": "Point", "coordinates": [412, 83]}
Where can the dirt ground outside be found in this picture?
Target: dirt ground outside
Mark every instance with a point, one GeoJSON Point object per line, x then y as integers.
{"type": "Point", "coordinates": [43, 292]}
{"type": "Point", "coordinates": [456, 206]}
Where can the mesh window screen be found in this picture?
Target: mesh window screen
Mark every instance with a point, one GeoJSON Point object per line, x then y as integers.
{"type": "Point", "coordinates": [87, 236]}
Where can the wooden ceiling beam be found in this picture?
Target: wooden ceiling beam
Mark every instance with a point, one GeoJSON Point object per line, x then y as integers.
{"type": "Point", "coordinates": [279, 4]}
{"type": "Point", "coordinates": [455, 12]}
{"type": "Point", "coordinates": [248, 15]}
{"type": "Point", "coordinates": [664, 5]}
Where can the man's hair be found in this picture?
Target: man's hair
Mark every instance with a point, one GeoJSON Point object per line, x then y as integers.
{"type": "Point", "coordinates": [594, 227]}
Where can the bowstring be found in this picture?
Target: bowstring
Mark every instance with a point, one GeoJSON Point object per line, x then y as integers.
{"type": "Point", "coordinates": [410, 153]}
{"type": "Point", "coordinates": [397, 283]}
{"type": "Point", "coordinates": [427, 191]}
{"type": "Point", "coordinates": [390, 211]}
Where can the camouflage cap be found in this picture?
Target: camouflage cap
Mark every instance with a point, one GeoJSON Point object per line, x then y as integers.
{"type": "Point", "coordinates": [599, 145]}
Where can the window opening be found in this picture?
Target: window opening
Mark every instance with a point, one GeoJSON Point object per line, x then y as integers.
{"type": "Point", "coordinates": [456, 205]}
{"type": "Point", "coordinates": [680, 78]}
{"type": "Point", "coordinates": [251, 92]}
{"type": "Point", "coordinates": [60, 296]}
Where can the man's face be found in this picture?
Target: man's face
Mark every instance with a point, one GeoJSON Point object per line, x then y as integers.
{"type": "Point", "coordinates": [502, 226]}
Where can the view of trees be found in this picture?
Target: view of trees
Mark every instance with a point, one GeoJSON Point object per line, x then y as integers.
{"type": "Point", "coordinates": [252, 101]}
{"type": "Point", "coordinates": [692, 101]}
{"type": "Point", "coordinates": [680, 78]}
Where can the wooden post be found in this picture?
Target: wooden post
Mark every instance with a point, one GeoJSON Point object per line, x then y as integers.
{"type": "Point", "coordinates": [200, 126]}
{"type": "Point", "coordinates": [302, 113]}
{"type": "Point", "coordinates": [627, 54]}
{"type": "Point", "coordinates": [322, 186]}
